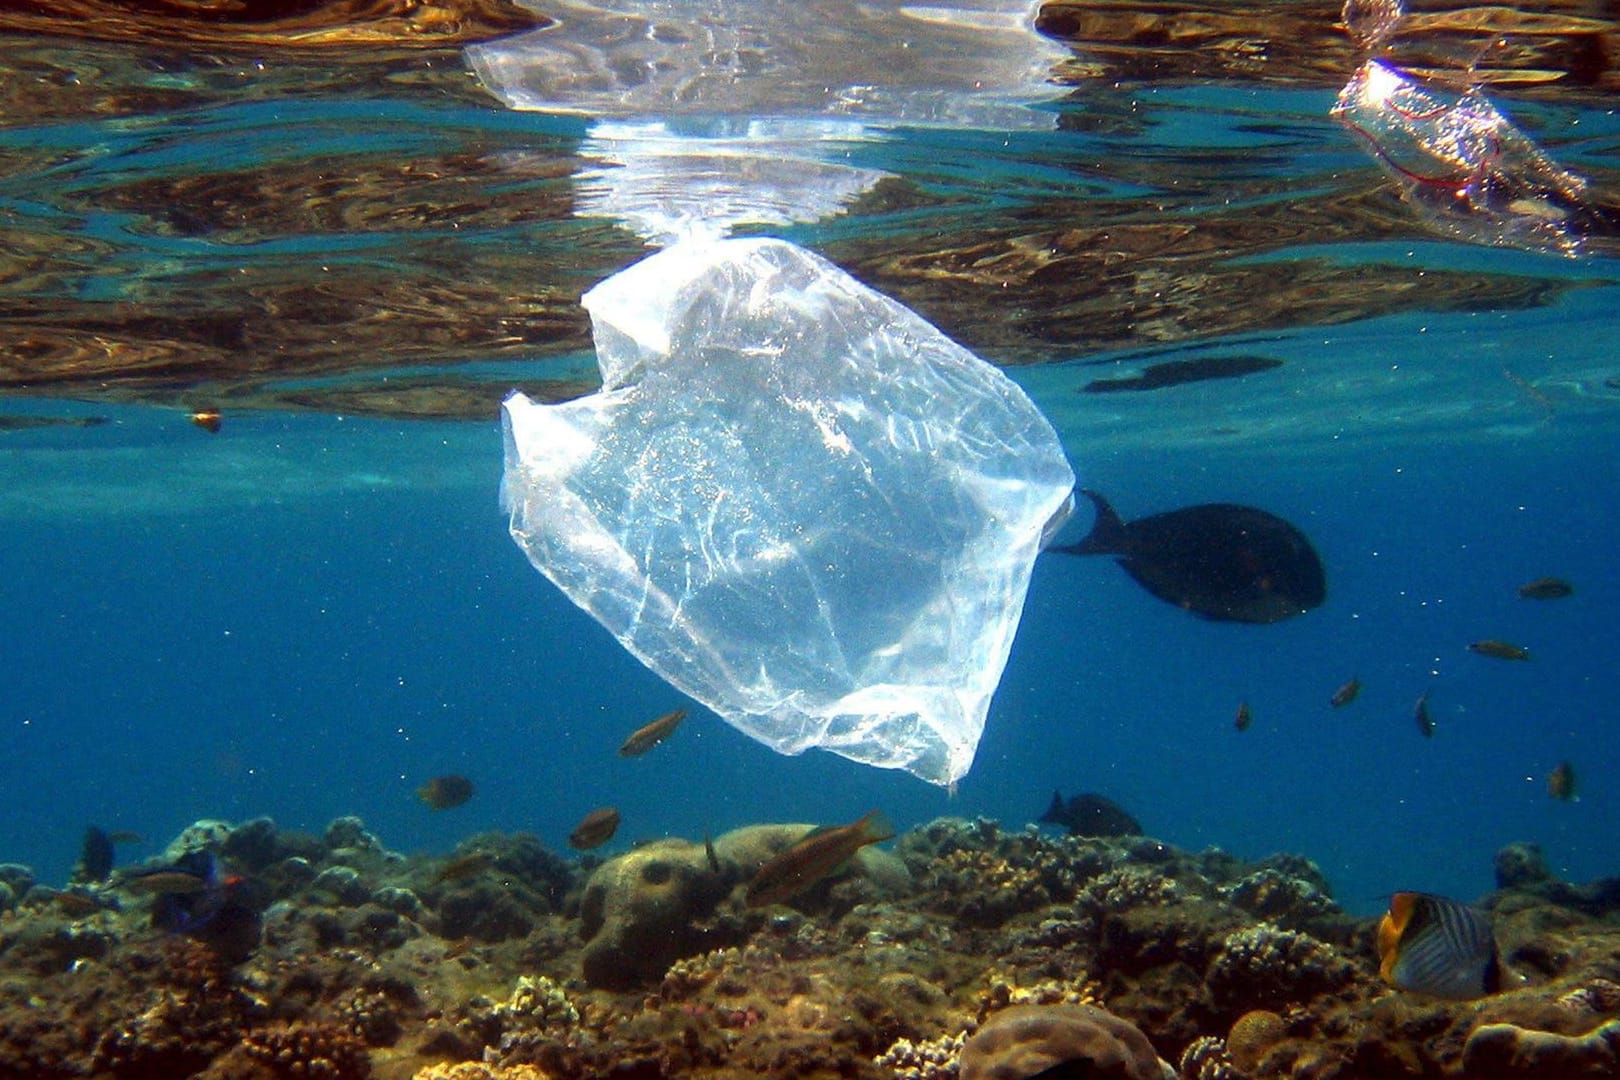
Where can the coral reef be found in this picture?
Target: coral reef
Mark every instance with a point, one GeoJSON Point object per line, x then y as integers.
{"type": "Point", "coordinates": [506, 961]}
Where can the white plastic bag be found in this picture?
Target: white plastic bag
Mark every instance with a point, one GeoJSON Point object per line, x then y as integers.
{"type": "Point", "coordinates": [795, 500]}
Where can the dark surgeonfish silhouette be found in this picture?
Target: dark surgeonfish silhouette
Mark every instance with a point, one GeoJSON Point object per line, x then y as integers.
{"type": "Point", "coordinates": [1090, 815]}
{"type": "Point", "coordinates": [1177, 372]}
{"type": "Point", "coordinates": [1219, 561]}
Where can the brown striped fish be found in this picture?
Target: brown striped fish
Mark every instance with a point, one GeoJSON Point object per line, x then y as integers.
{"type": "Point", "coordinates": [650, 735]}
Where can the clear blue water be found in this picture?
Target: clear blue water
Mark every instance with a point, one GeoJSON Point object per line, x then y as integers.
{"type": "Point", "coordinates": [309, 615]}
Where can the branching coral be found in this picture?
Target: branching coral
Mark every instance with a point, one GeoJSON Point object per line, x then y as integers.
{"type": "Point", "coordinates": [306, 1051]}
{"type": "Point", "coordinates": [1264, 965]}
{"type": "Point", "coordinates": [934, 1059]}
{"type": "Point", "coordinates": [1270, 894]}
{"type": "Point", "coordinates": [1206, 1058]}
{"type": "Point", "coordinates": [986, 889]}
{"type": "Point", "coordinates": [537, 1003]}
{"type": "Point", "coordinates": [1004, 992]}
{"type": "Point", "coordinates": [1129, 887]}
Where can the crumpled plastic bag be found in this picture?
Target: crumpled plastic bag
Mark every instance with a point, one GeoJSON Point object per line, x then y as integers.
{"type": "Point", "coordinates": [794, 499]}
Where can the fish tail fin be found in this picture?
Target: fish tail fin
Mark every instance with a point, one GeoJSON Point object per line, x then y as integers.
{"type": "Point", "coordinates": [1107, 535]}
{"type": "Point", "coordinates": [875, 827]}
{"type": "Point", "coordinates": [1054, 814]}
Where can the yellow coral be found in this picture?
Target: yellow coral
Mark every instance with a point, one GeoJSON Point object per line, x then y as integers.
{"type": "Point", "coordinates": [1253, 1035]}
{"type": "Point", "coordinates": [473, 1070]}
{"type": "Point", "coordinates": [1003, 992]}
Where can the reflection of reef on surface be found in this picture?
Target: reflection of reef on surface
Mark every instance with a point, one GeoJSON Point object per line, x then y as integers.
{"type": "Point", "coordinates": [281, 23]}
{"type": "Point", "coordinates": [476, 964]}
{"type": "Point", "coordinates": [1092, 276]}
{"type": "Point", "coordinates": [1305, 42]}
{"type": "Point", "coordinates": [455, 241]}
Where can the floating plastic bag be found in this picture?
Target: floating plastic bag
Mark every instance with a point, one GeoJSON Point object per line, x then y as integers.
{"type": "Point", "coordinates": [795, 500]}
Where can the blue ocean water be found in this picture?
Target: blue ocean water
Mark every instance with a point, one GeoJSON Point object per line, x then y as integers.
{"type": "Point", "coordinates": [310, 615]}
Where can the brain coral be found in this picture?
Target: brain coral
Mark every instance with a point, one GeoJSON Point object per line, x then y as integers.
{"type": "Point", "coordinates": [1026, 1040]}
{"type": "Point", "coordinates": [1254, 1033]}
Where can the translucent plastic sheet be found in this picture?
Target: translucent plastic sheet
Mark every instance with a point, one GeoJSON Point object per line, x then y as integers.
{"type": "Point", "coordinates": [710, 114]}
{"type": "Point", "coordinates": [965, 63]}
{"type": "Point", "coordinates": [669, 180]}
{"type": "Point", "coordinates": [795, 500]}
{"type": "Point", "coordinates": [1463, 166]}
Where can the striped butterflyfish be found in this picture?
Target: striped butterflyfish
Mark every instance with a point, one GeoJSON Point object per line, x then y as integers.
{"type": "Point", "coordinates": [1432, 945]}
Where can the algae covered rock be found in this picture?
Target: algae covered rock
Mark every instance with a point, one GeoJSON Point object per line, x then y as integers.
{"type": "Point", "coordinates": [639, 911]}
{"type": "Point", "coordinates": [1035, 1040]}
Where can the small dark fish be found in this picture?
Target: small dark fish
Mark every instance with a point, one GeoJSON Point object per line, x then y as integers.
{"type": "Point", "coordinates": [175, 880]}
{"type": "Point", "coordinates": [95, 856]}
{"type": "Point", "coordinates": [817, 854]}
{"type": "Point", "coordinates": [124, 836]}
{"type": "Point", "coordinates": [595, 829]}
{"type": "Point", "coordinates": [1176, 372]}
{"type": "Point", "coordinates": [463, 867]}
{"type": "Point", "coordinates": [1546, 588]}
{"type": "Point", "coordinates": [1241, 721]}
{"type": "Point", "coordinates": [1500, 650]}
{"type": "Point", "coordinates": [1345, 694]}
{"type": "Point", "coordinates": [1093, 815]}
{"type": "Point", "coordinates": [650, 735]}
{"type": "Point", "coordinates": [445, 792]}
{"type": "Point", "coordinates": [1420, 714]}
{"type": "Point", "coordinates": [1219, 561]}
{"type": "Point", "coordinates": [10, 422]}
{"type": "Point", "coordinates": [1432, 945]}
{"type": "Point", "coordinates": [195, 896]}
{"type": "Point", "coordinates": [207, 419]}
{"type": "Point", "coordinates": [76, 905]}
{"type": "Point", "coordinates": [1561, 782]}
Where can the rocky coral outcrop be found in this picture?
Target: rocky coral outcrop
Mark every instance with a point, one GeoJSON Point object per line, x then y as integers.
{"type": "Point", "coordinates": [1510, 1052]}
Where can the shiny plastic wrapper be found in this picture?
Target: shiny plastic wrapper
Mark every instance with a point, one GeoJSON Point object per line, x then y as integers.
{"type": "Point", "coordinates": [1464, 167]}
{"type": "Point", "coordinates": [795, 500]}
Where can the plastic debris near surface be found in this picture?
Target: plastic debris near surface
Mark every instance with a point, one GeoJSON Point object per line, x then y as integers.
{"type": "Point", "coordinates": [1458, 162]}
{"type": "Point", "coordinates": [959, 63]}
{"type": "Point", "coordinates": [709, 114]}
{"type": "Point", "coordinates": [1463, 166]}
{"type": "Point", "coordinates": [795, 500]}
{"type": "Point", "coordinates": [667, 180]}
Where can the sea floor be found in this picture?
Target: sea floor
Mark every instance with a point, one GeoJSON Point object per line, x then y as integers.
{"type": "Point", "coordinates": [333, 957]}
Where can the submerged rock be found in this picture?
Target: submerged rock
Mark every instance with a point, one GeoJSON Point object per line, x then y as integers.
{"type": "Point", "coordinates": [640, 912]}
{"type": "Point", "coordinates": [1520, 866]}
{"type": "Point", "coordinates": [1507, 1051]}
